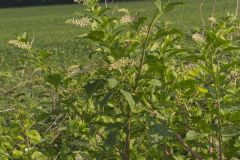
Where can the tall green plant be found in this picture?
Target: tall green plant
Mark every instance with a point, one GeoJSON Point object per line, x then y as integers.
{"type": "Point", "coordinates": [152, 93]}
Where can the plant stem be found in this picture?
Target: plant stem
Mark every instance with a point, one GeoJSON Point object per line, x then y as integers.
{"type": "Point", "coordinates": [126, 155]}
{"type": "Point", "coordinates": [24, 132]}
{"type": "Point", "coordinates": [200, 10]}
{"type": "Point", "coordinates": [211, 150]}
{"type": "Point", "coordinates": [187, 147]}
{"type": "Point", "coordinates": [105, 3]}
{"type": "Point", "coordinates": [145, 44]}
{"type": "Point", "coordinates": [7, 110]}
{"type": "Point", "coordinates": [128, 138]}
{"type": "Point", "coordinates": [218, 105]}
{"type": "Point", "coordinates": [213, 9]}
{"type": "Point", "coordinates": [225, 6]}
{"type": "Point", "coordinates": [237, 7]}
{"type": "Point", "coordinates": [220, 150]}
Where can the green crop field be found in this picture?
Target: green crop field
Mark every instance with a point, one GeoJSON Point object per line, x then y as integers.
{"type": "Point", "coordinates": [46, 23]}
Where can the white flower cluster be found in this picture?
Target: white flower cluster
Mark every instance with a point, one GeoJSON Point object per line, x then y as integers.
{"type": "Point", "coordinates": [143, 31]}
{"type": "Point", "coordinates": [198, 38]}
{"type": "Point", "coordinates": [86, 2]}
{"type": "Point", "coordinates": [123, 10]}
{"type": "Point", "coordinates": [84, 22]}
{"type": "Point", "coordinates": [79, 1]}
{"type": "Point", "coordinates": [123, 62]}
{"type": "Point", "coordinates": [21, 45]}
{"type": "Point", "coordinates": [128, 19]}
{"type": "Point", "coordinates": [73, 71]}
{"type": "Point", "coordinates": [235, 34]}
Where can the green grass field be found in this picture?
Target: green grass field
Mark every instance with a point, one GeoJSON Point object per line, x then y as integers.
{"type": "Point", "coordinates": [45, 24]}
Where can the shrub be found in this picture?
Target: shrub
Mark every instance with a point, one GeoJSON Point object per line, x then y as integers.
{"type": "Point", "coordinates": [153, 93]}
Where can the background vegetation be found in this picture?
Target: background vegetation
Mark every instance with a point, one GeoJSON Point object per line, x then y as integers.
{"type": "Point", "coordinates": [12, 3]}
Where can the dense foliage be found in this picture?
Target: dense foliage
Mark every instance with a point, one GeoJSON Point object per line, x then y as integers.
{"type": "Point", "coordinates": [153, 92]}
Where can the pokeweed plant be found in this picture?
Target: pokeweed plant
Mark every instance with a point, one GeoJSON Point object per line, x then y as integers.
{"type": "Point", "coordinates": [152, 93]}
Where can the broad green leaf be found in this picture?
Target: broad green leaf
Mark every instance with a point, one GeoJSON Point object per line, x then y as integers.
{"type": "Point", "coordinates": [230, 131]}
{"type": "Point", "coordinates": [155, 64]}
{"type": "Point", "coordinates": [105, 119]}
{"type": "Point", "coordinates": [112, 140]}
{"type": "Point", "coordinates": [34, 136]}
{"type": "Point", "coordinates": [184, 84]}
{"type": "Point", "coordinates": [112, 82]}
{"type": "Point", "coordinates": [95, 35]}
{"type": "Point", "coordinates": [202, 90]}
{"type": "Point", "coordinates": [128, 97]}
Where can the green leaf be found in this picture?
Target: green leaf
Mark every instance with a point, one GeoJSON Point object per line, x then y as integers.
{"type": "Point", "coordinates": [96, 36]}
{"type": "Point", "coordinates": [158, 132]}
{"type": "Point", "coordinates": [155, 64]}
{"type": "Point", "coordinates": [38, 156]}
{"type": "Point", "coordinates": [163, 32]}
{"type": "Point", "coordinates": [237, 143]}
{"type": "Point", "coordinates": [202, 90]}
{"type": "Point", "coordinates": [95, 85]}
{"type": "Point", "coordinates": [112, 82]}
{"type": "Point", "coordinates": [137, 24]}
{"type": "Point", "coordinates": [102, 11]}
{"type": "Point", "coordinates": [54, 78]}
{"type": "Point", "coordinates": [17, 153]}
{"type": "Point", "coordinates": [217, 41]}
{"type": "Point", "coordinates": [23, 37]}
{"type": "Point", "coordinates": [231, 48]}
{"type": "Point", "coordinates": [227, 66]}
{"type": "Point", "coordinates": [155, 82]}
{"type": "Point", "coordinates": [158, 3]}
{"type": "Point", "coordinates": [170, 6]}
{"type": "Point", "coordinates": [105, 119]}
{"type": "Point", "coordinates": [230, 131]}
{"type": "Point", "coordinates": [189, 83]}
{"type": "Point", "coordinates": [112, 139]}
{"type": "Point", "coordinates": [192, 135]}
{"type": "Point", "coordinates": [179, 157]}
{"type": "Point", "coordinates": [128, 97]}
{"type": "Point", "coordinates": [34, 136]}
{"type": "Point", "coordinates": [44, 55]}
